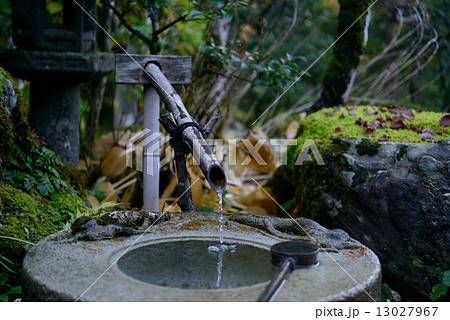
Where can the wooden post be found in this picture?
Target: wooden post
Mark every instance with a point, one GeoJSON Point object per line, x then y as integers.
{"type": "Point", "coordinates": [151, 150]}
{"type": "Point", "coordinates": [130, 70]}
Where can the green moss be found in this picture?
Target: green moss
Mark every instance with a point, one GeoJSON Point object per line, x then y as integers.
{"type": "Point", "coordinates": [314, 183]}
{"type": "Point", "coordinates": [321, 126]}
{"type": "Point", "coordinates": [6, 126]}
{"type": "Point", "coordinates": [64, 205]}
{"type": "Point", "coordinates": [415, 259]}
{"type": "Point", "coordinates": [401, 153]}
{"type": "Point", "coordinates": [367, 147]}
{"type": "Point", "coordinates": [413, 191]}
{"type": "Point", "coordinates": [22, 216]}
{"type": "Point", "coordinates": [346, 52]}
{"type": "Point", "coordinates": [36, 198]}
{"type": "Point", "coordinates": [18, 116]}
{"type": "Point", "coordinates": [434, 265]}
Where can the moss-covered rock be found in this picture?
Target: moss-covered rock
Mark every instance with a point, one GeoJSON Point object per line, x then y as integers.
{"type": "Point", "coordinates": [24, 217]}
{"type": "Point", "coordinates": [389, 189]}
{"type": "Point", "coordinates": [353, 122]}
{"type": "Point", "coordinates": [37, 196]}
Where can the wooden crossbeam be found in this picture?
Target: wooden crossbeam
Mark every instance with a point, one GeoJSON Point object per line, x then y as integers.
{"type": "Point", "coordinates": [177, 69]}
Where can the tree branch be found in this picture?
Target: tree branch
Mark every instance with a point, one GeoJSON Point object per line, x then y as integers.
{"type": "Point", "coordinates": [167, 26]}
{"type": "Point", "coordinates": [124, 22]}
{"type": "Point", "coordinates": [174, 22]}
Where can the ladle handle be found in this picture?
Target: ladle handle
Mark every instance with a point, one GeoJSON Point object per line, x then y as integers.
{"type": "Point", "coordinates": [277, 282]}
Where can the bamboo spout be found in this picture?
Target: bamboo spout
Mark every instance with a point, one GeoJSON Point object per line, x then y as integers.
{"type": "Point", "coordinates": [216, 178]}
{"type": "Point", "coordinates": [191, 135]}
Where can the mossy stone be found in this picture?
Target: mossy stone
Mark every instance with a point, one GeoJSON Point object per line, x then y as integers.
{"type": "Point", "coordinates": [25, 212]}
{"type": "Point", "coordinates": [24, 217]}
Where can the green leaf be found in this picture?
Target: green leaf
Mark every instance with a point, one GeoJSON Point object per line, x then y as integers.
{"type": "Point", "coordinates": [438, 291]}
{"type": "Point", "coordinates": [288, 205]}
{"type": "Point", "coordinates": [8, 175]}
{"type": "Point", "coordinates": [17, 239]}
{"type": "Point", "coordinates": [14, 162]}
{"type": "Point", "coordinates": [6, 267]}
{"type": "Point", "coordinates": [42, 189]}
{"type": "Point", "coordinates": [195, 13]}
{"type": "Point", "coordinates": [54, 7]}
{"type": "Point", "coordinates": [27, 184]}
{"type": "Point", "coordinates": [228, 15]}
{"type": "Point", "coordinates": [6, 259]}
{"type": "Point", "coordinates": [206, 209]}
{"type": "Point", "coordinates": [15, 290]}
{"type": "Point", "coordinates": [4, 298]}
{"type": "Point", "coordinates": [386, 292]}
{"type": "Point", "coordinates": [446, 278]}
{"type": "Point", "coordinates": [3, 278]}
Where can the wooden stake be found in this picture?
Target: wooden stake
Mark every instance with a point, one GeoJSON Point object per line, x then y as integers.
{"type": "Point", "coordinates": [151, 149]}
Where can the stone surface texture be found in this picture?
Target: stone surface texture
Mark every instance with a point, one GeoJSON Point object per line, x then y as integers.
{"type": "Point", "coordinates": [71, 264]}
{"type": "Point", "coordinates": [395, 201]}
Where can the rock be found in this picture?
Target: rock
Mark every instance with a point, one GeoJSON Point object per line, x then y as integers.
{"type": "Point", "coordinates": [393, 197]}
{"type": "Point", "coordinates": [36, 198]}
{"type": "Point", "coordinates": [114, 224]}
{"type": "Point", "coordinates": [64, 267]}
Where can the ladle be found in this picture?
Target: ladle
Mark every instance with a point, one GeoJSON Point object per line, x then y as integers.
{"type": "Point", "coordinates": [289, 255]}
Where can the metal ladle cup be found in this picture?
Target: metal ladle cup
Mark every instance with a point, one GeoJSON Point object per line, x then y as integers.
{"type": "Point", "coordinates": [289, 255]}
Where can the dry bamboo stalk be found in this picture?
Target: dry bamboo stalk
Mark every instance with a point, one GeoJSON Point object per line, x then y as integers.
{"type": "Point", "coordinates": [191, 135]}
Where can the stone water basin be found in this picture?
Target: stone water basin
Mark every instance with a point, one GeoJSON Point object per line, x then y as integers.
{"type": "Point", "coordinates": [171, 262]}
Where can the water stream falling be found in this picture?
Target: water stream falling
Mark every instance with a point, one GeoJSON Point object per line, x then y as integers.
{"type": "Point", "coordinates": [221, 248]}
{"type": "Point", "coordinates": [221, 216]}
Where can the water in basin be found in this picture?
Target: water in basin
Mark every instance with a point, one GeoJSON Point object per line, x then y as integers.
{"type": "Point", "coordinates": [189, 265]}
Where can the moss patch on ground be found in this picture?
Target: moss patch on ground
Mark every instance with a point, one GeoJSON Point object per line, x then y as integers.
{"type": "Point", "coordinates": [328, 123]}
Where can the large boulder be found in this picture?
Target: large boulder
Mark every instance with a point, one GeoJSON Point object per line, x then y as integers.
{"type": "Point", "coordinates": [392, 196]}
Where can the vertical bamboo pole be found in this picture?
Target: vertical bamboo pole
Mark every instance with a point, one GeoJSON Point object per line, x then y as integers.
{"type": "Point", "coordinates": [151, 149]}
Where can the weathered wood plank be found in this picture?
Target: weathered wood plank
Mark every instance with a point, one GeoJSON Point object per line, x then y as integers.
{"type": "Point", "coordinates": [177, 69]}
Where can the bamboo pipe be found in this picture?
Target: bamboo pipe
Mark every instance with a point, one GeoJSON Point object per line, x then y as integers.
{"type": "Point", "coordinates": [203, 155]}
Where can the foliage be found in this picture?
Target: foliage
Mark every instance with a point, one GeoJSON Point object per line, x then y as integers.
{"type": "Point", "coordinates": [6, 259]}
{"type": "Point", "coordinates": [277, 72]}
{"type": "Point", "coordinates": [386, 293]}
{"type": "Point", "coordinates": [36, 195]}
{"type": "Point", "coordinates": [441, 289]}
{"type": "Point", "coordinates": [8, 292]}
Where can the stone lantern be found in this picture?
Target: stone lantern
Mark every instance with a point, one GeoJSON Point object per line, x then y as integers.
{"type": "Point", "coordinates": [56, 59]}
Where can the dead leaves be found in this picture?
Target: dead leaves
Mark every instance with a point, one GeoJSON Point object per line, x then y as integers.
{"type": "Point", "coordinates": [356, 253]}
{"type": "Point", "coordinates": [114, 163]}
{"type": "Point", "coordinates": [370, 112]}
{"type": "Point", "coordinates": [291, 129]}
{"type": "Point", "coordinates": [397, 116]}
{"type": "Point", "coordinates": [402, 112]}
{"type": "Point", "coordinates": [445, 121]}
{"type": "Point", "coordinates": [340, 129]}
{"type": "Point", "coordinates": [397, 125]}
{"type": "Point", "coordinates": [426, 136]}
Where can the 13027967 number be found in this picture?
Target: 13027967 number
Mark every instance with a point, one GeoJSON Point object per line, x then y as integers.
{"type": "Point", "coordinates": [406, 311]}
